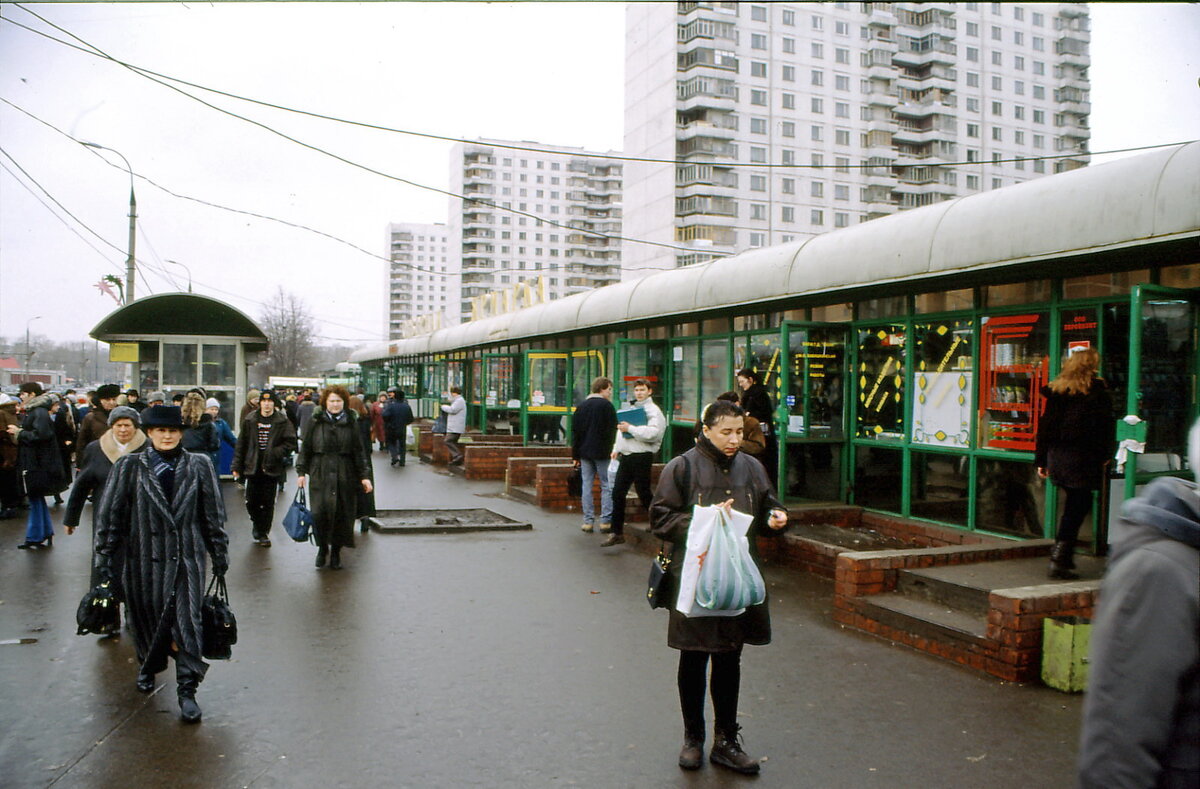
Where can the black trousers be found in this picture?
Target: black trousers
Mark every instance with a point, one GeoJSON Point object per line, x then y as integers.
{"type": "Point", "coordinates": [1076, 507]}
{"type": "Point", "coordinates": [632, 470]}
{"type": "Point", "coordinates": [261, 490]}
{"type": "Point", "coordinates": [397, 447]}
{"type": "Point", "coordinates": [725, 683]}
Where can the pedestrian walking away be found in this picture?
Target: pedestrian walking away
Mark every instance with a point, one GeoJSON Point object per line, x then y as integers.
{"type": "Point", "coordinates": [333, 466]}
{"type": "Point", "coordinates": [40, 463]}
{"type": "Point", "coordinates": [1141, 713]}
{"type": "Point", "coordinates": [267, 438]}
{"type": "Point", "coordinates": [456, 424]}
{"type": "Point", "coordinates": [366, 498]}
{"type": "Point", "coordinates": [159, 520]}
{"type": "Point", "coordinates": [378, 431]}
{"type": "Point", "coordinates": [1075, 440]}
{"type": "Point", "coordinates": [123, 438]}
{"type": "Point", "coordinates": [634, 451]}
{"type": "Point", "coordinates": [593, 431]}
{"type": "Point", "coordinates": [714, 472]}
{"type": "Point", "coordinates": [397, 416]}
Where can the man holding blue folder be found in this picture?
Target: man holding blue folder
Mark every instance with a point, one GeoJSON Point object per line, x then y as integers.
{"type": "Point", "coordinates": [640, 432]}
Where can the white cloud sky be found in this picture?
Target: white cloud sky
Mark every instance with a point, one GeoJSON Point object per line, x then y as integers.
{"type": "Point", "coordinates": [551, 73]}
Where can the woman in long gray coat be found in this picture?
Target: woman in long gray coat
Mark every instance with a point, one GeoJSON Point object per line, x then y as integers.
{"type": "Point", "coordinates": [332, 454]}
{"type": "Point", "coordinates": [714, 472]}
{"type": "Point", "coordinates": [160, 515]}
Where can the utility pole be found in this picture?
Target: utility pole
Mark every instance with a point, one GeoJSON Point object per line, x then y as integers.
{"type": "Point", "coordinates": [130, 261]}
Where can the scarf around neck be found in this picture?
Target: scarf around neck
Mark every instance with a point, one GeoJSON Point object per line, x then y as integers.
{"type": "Point", "coordinates": [114, 450]}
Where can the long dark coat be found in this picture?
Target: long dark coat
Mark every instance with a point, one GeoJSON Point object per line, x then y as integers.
{"type": "Point", "coordinates": [93, 474]}
{"type": "Point", "coordinates": [281, 441]}
{"type": "Point", "coordinates": [40, 460]}
{"type": "Point", "coordinates": [712, 479]}
{"type": "Point", "coordinates": [1075, 436]}
{"type": "Point", "coordinates": [94, 425]}
{"type": "Point", "coordinates": [155, 548]}
{"type": "Point", "coordinates": [332, 457]}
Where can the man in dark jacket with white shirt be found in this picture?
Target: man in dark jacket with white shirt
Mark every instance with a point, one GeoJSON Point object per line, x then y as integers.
{"type": "Point", "coordinates": [593, 429]}
{"type": "Point", "coordinates": [1141, 716]}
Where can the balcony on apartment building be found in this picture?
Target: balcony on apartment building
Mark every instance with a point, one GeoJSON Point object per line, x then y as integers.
{"type": "Point", "coordinates": [928, 129]}
{"type": "Point", "coordinates": [707, 123]}
{"type": "Point", "coordinates": [933, 152]}
{"type": "Point", "coordinates": [476, 220]}
{"type": "Point", "coordinates": [705, 146]}
{"type": "Point", "coordinates": [936, 18]}
{"type": "Point", "coordinates": [478, 188]}
{"type": "Point", "coordinates": [705, 175]}
{"type": "Point", "coordinates": [923, 103]}
{"type": "Point", "coordinates": [706, 235]}
{"type": "Point", "coordinates": [702, 91]}
{"type": "Point", "coordinates": [1074, 101]}
{"type": "Point", "coordinates": [711, 29]}
{"type": "Point", "coordinates": [695, 61]}
{"type": "Point", "coordinates": [1073, 51]}
{"type": "Point", "coordinates": [711, 205]}
{"type": "Point", "coordinates": [880, 14]}
{"type": "Point", "coordinates": [1069, 76]}
{"type": "Point", "coordinates": [880, 68]}
{"type": "Point", "coordinates": [915, 53]}
{"type": "Point", "coordinates": [478, 158]}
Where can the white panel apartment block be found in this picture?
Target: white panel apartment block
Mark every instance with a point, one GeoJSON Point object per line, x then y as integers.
{"type": "Point", "coordinates": [422, 277]}
{"type": "Point", "coordinates": [564, 225]}
{"type": "Point", "coordinates": [793, 119]}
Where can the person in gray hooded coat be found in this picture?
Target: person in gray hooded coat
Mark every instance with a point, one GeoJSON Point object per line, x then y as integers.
{"type": "Point", "coordinates": [1141, 715]}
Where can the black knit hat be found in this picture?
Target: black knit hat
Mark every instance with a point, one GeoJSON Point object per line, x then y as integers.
{"type": "Point", "coordinates": [108, 391]}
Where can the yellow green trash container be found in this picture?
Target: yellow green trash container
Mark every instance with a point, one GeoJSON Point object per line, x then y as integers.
{"type": "Point", "coordinates": [1065, 642]}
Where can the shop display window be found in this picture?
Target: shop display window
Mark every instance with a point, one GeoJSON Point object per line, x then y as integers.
{"type": "Point", "coordinates": [944, 393]}
{"type": "Point", "coordinates": [219, 365]}
{"type": "Point", "coordinates": [1119, 283]}
{"type": "Point", "coordinates": [887, 307]}
{"type": "Point", "coordinates": [1167, 384]}
{"type": "Point", "coordinates": [945, 301]}
{"type": "Point", "coordinates": [476, 395]}
{"type": "Point", "coordinates": [940, 487]}
{"type": "Point", "coordinates": [1078, 329]}
{"type": "Point", "coordinates": [814, 471]}
{"type": "Point", "coordinates": [881, 381]}
{"type": "Point", "coordinates": [1009, 497]}
{"type": "Point", "coordinates": [548, 382]}
{"type": "Point", "coordinates": [817, 380]}
{"type": "Point", "coordinates": [1185, 276]}
{"type": "Point", "coordinates": [878, 477]}
{"type": "Point", "coordinates": [715, 375]}
{"type": "Point", "coordinates": [454, 375]}
{"type": "Point", "coordinates": [148, 367]}
{"type": "Point", "coordinates": [685, 363]}
{"type": "Point", "coordinates": [1013, 366]}
{"type": "Point", "coordinates": [501, 382]}
{"type": "Point", "coordinates": [1015, 294]}
{"type": "Point", "coordinates": [179, 364]}
{"type": "Point", "coordinates": [766, 356]}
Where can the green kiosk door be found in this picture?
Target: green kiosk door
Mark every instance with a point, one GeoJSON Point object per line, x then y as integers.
{"type": "Point", "coordinates": [1162, 383]}
{"type": "Point", "coordinates": [545, 399]}
{"type": "Point", "coordinates": [812, 412]}
{"type": "Point", "coordinates": [501, 393]}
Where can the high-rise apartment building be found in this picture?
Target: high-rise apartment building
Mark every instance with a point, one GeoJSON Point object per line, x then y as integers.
{"type": "Point", "coordinates": [422, 279]}
{"type": "Point", "coordinates": [785, 120]}
{"type": "Point", "coordinates": [563, 226]}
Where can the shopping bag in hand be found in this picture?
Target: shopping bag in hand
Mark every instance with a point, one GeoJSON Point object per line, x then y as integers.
{"type": "Point", "coordinates": [699, 538]}
{"type": "Point", "coordinates": [729, 579]}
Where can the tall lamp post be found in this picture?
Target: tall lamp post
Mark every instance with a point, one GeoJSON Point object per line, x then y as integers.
{"type": "Point", "coordinates": [185, 268]}
{"type": "Point", "coordinates": [130, 271]}
{"type": "Point", "coordinates": [28, 355]}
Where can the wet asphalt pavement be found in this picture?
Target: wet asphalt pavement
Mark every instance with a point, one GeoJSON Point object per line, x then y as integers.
{"type": "Point", "coordinates": [516, 659]}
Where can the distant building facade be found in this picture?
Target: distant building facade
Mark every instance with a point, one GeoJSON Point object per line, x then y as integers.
{"type": "Point", "coordinates": [422, 278]}
{"type": "Point", "coordinates": [785, 120]}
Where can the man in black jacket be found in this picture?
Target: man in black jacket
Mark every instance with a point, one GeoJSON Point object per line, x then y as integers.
{"type": "Point", "coordinates": [266, 439]}
{"type": "Point", "coordinates": [397, 416]}
{"type": "Point", "coordinates": [593, 427]}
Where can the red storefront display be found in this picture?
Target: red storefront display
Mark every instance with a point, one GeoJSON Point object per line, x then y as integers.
{"type": "Point", "coordinates": [1013, 369]}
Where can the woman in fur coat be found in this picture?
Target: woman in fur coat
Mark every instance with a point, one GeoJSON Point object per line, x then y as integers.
{"type": "Point", "coordinates": [160, 517]}
{"type": "Point", "coordinates": [40, 463]}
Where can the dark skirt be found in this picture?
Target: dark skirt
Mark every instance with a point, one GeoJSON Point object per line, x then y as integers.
{"type": "Point", "coordinates": [720, 633]}
{"type": "Point", "coordinates": [1072, 467]}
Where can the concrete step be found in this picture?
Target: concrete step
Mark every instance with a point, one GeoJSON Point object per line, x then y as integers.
{"type": "Point", "coordinates": [926, 619]}
{"type": "Point", "coordinates": [944, 590]}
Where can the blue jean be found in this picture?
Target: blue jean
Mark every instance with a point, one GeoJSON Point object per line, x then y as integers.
{"type": "Point", "coordinates": [38, 526]}
{"type": "Point", "coordinates": [396, 448]}
{"type": "Point", "coordinates": [590, 469]}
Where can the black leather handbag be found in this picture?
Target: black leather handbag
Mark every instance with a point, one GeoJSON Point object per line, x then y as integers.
{"type": "Point", "coordinates": [98, 612]}
{"type": "Point", "coordinates": [218, 621]}
{"type": "Point", "coordinates": [660, 589]}
{"type": "Point", "coordinates": [575, 483]}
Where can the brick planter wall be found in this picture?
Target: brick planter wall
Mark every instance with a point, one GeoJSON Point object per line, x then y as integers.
{"type": "Point", "coordinates": [925, 535]}
{"type": "Point", "coordinates": [1012, 647]}
{"type": "Point", "coordinates": [490, 461]}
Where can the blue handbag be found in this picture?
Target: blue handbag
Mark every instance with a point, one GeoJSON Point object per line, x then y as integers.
{"type": "Point", "coordinates": [298, 521]}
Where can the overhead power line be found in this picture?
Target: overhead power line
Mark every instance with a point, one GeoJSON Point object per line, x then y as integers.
{"type": "Point", "coordinates": [535, 149]}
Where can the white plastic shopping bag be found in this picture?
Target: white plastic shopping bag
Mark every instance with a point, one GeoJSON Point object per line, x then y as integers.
{"type": "Point", "coordinates": [705, 521]}
{"type": "Point", "coordinates": [409, 437]}
{"type": "Point", "coordinates": [729, 579]}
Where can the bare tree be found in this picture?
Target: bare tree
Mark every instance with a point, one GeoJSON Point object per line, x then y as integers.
{"type": "Point", "coordinates": [288, 324]}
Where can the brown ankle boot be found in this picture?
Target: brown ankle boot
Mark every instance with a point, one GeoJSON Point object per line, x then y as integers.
{"type": "Point", "coordinates": [692, 755]}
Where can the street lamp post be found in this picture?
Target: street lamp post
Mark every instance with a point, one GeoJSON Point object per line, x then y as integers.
{"type": "Point", "coordinates": [28, 355]}
{"type": "Point", "coordinates": [130, 266]}
{"type": "Point", "coordinates": [185, 268]}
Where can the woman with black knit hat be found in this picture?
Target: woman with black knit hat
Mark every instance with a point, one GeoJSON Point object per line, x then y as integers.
{"type": "Point", "coordinates": [266, 439]}
{"type": "Point", "coordinates": [160, 518]}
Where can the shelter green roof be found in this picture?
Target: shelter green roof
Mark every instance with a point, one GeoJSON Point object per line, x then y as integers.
{"type": "Point", "coordinates": [181, 314]}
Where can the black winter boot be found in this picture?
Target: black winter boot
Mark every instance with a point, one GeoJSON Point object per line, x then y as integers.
{"type": "Point", "coordinates": [1062, 561]}
{"type": "Point", "coordinates": [727, 752]}
{"type": "Point", "coordinates": [692, 755]}
{"type": "Point", "coordinates": [322, 555]}
{"type": "Point", "coordinates": [189, 710]}
{"type": "Point", "coordinates": [335, 557]}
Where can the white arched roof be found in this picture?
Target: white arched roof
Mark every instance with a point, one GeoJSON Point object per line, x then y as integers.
{"type": "Point", "coordinates": [1151, 197]}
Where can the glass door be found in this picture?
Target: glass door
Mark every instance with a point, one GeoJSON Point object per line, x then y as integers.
{"type": "Point", "coordinates": [501, 393]}
{"type": "Point", "coordinates": [545, 399]}
{"type": "Point", "coordinates": [813, 424]}
{"type": "Point", "coordinates": [1162, 382]}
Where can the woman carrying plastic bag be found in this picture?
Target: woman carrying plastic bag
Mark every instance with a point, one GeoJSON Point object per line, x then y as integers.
{"type": "Point", "coordinates": [714, 476]}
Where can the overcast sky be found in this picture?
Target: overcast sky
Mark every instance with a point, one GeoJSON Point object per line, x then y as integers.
{"type": "Point", "coordinates": [551, 73]}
